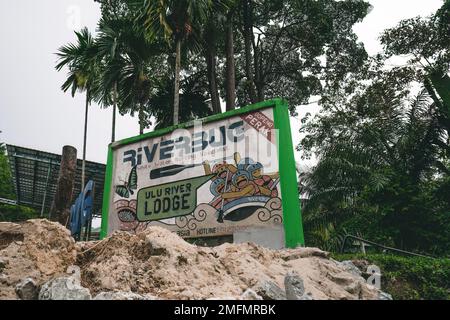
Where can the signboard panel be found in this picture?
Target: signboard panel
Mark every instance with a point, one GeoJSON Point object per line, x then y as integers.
{"type": "Point", "coordinates": [209, 178]}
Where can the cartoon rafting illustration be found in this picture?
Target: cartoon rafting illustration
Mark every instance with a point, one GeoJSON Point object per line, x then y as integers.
{"type": "Point", "coordinates": [231, 191]}
{"type": "Point", "coordinates": [240, 188]}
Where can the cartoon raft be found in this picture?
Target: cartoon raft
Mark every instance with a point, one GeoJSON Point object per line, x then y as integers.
{"type": "Point", "coordinates": [242, 208]}
{"type": "Point", "coordinates": [240, 189]}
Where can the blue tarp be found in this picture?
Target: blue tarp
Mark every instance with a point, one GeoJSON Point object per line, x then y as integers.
{"type": "Point", "coordinates": [80, 217]}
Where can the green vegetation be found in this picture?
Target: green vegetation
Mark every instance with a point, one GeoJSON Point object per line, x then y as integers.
{"type": "Point", "coordinates": [13, 213]}
{"type": "Point", "coordinates": [384, 154]}
{"type": "Point", "coordinates": [407, 278]}
{"type": "Point", "coordinates": [174, 60]}
{"type": "Point", "coordinates": [6, 185]}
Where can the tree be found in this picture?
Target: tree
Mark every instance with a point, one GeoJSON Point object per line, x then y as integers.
{"type": "Point", "coordinates": [6, 184]}
{"type": "Point", "coordinates": [174, 20]}
{"type": "Point", "coordinates": [192, 100]}
{"type": "Point", "coordinates": [297, 49]}
{"type": "Point", "coordinates": [230, 86]}
{"type": "Point", "coordinates": [128, 59]}
{"type": "Point", "coordinates": [81, 59]}
{"type": "Point", "coordinates": [426, 41]}
{"type": "Point", "coordinates": [382, 161]}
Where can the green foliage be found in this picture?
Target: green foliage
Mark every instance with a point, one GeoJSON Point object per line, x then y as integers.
{"type": "Point", "coordinates": [12, 213]}
{"type": "Point", "coordinates": [6, 184]}
{"type": "Point", "coordinates": [383, 153]}
{"type": "Point", "coordinates": [407, 278]}
{"type": "Point", "coordinates": [277, 46]}
{"type": "Point", "coordinates": [192, 101]}
{"type": "Point", "coordinates": [81, 59]}
{"type": "Point", "coordinates": [379, 174]}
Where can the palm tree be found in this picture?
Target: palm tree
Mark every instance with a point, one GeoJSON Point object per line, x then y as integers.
{"type": "Point", "coordinates": [212, 33]}
{"type": "Point", "coordinates": [174, 20]}
{"type": "Point", "coordinates": [107, 42]}
{"type": "Point", "coordinates": [192, 100]}
{"type": "Point", "coordinates": [108, 51]}
{"type": "Point", "coordinates": [374, 161]}
{"type": "Point", "coordinates": [127, 60]}
{"type": "Point", "coordinates": [82, 62]}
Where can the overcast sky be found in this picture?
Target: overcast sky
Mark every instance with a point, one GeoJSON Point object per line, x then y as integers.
{"type": "Point", "coordinates": [35, 113]}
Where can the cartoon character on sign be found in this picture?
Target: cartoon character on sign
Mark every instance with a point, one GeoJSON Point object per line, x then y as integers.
{"type": "Point", "coordinates": [242, 186]}
{"type": "Point", "coordinates": [217, 188]}
{"type": "Point", "coordinates": [224, 171]}
{"type": "Point", "coordinates": [265, 183]}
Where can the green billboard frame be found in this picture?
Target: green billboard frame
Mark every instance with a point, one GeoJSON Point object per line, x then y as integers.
{"type": "Point", "coordinates": [292, 219]}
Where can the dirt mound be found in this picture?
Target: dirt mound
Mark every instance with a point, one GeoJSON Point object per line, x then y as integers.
{"type": "Point", "coordinates": [37, 249]}
{"type": "Point", "coordinates": [159, 263]}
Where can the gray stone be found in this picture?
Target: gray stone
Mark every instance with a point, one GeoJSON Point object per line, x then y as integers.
{"type": "Point", "coordinates": [295, 288]}
{"type": "Point", "coordinates": [250, 294]}
{"type": "Point", "coordinates": [350, 267]}
{"type": "Point", "coordinates": [122, 295]}
{"type": "Point", "coordinates": [27, 289]}
{"type": "Point", "coordinates": [269, 290]}
{"type": "Point", "coordinates": [354, 288]}
{"type": "Point", "coordinates": [384, 296]}
{"type": "Point", "coordinates": [64, 288]}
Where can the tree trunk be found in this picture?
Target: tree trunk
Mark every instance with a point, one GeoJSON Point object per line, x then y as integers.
{"type": "Point", "coordinates": [141, 120]}
{"type": "Point", "coordinates": [230, 65]}
{"type": "Point", "coordinates": [176, 98]}
{"type": "Point", "coordinates": [83, 164]}
{"type": "Point", "coordinates": [113, 134]}
{"type": "Point", "coordinates": [211, 58]}
{"type": "Point", "coordinates": [60, 209]}
{"type": "Point", "coordinates": [248, 39]}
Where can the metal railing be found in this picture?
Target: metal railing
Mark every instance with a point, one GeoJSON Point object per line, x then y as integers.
{"type": "Point", "coordinates": [8, 201]}
{"type": "Point", "coordinates": [380, 246]}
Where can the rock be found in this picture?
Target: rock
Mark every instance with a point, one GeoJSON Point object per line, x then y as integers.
{"type": "Point", "coordinates": [299, 253]}
{"type": "Point", "coordinates": [250, 294]}
{"type": "Point", "coordinates": [350, 267]}
{"type": "Point", "coordinates": [122, 295]}
{"type": "Point", "coordinates": [27, 289]}
{"type": "Point", "coordinates": [64, 288]}
{"type": "Point", "coordinates": [354, 288]}
{"type": "Point", "coordinates": [2, 264]}
{"type": "Point", "coordinates": [37, 249]}
{"type": "Point", "coordinates": [269, 290]}
{"type": "Point", "coordinates": [384, 296]}
{"type": "Point", "coordinates": [295, 289]}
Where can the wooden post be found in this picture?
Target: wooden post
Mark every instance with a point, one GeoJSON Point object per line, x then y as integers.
{"type": "Point", "coordinates": [60, 210]}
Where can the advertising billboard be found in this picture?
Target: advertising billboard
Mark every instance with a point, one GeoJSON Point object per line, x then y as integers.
{"type": "Point", "coordinates": [211, 177]}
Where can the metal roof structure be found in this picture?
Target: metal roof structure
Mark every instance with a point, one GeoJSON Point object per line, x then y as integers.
{"type": "Point", "coordinates": [35, 174]}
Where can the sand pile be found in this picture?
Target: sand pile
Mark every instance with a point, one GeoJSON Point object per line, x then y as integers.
{"type": "Point", "coordinates": [38, 249]}
{"type": "Point", "coordinates": [161, 264]}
